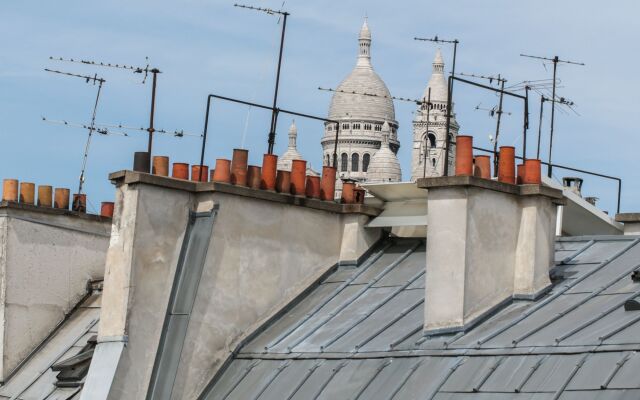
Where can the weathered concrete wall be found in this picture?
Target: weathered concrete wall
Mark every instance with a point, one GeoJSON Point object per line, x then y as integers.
{"type": "Point", "coordinates": [486, 243]}
{"type": "Point", "coordinates": [46, 260]}
{"type": "Point", "coordinates": [149, 224]}
{"type": "Point", "coordinates": [261, 255]}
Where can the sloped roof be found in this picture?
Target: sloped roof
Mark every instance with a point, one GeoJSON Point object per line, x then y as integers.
{"type": "Point", "coordinates": [358, 335]}
{"type": "Point", "coordinates": [35, 378]}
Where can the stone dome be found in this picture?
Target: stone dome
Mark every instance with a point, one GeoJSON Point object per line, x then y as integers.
{"type": "Point", "coordinates": [363, 80]}
{"type": "Point", "coordinates": [384, 165]}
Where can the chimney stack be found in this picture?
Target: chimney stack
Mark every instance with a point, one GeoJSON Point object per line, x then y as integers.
{"type": "Point", "coordinates": [487, 243]}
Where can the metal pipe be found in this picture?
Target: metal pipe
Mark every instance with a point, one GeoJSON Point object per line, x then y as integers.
{"type": "Point", "coordinates": [426, 136]}
{"type": "Point", "coordinates": [91, 129]}
{"type": "Point", "coordinates": [553, 111]}
{"type": "Point", "coordinates": [449, 105]}
{"type": "Point", "coordinates": [155, 72]}
{"type": "Point", "coordinates": [542, 99]}
{"type": "Point", "coordinates": [274, 115]}
{"type": "Point", "coordinates": [495, 144]}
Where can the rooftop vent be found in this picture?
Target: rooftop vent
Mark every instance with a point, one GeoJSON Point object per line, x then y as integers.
{"type": "Point", "coordinates": [632, 305]}
{"type": "Point", "coordinates": [591, 200]}
{"type": "Point", "coordinates": [73, 370]}
{"type": "Point", "coordinates": [573, 183]}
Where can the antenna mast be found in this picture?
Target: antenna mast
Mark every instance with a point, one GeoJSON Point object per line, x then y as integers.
{"type": "Point", "coordinates": [274, 109]}
{"type": "Point", "coordinates": [555, 60]}
{"type": "Point", "coordinates": [136, 70]}
{"type": "Point", "coordinates": [100, 82]}
{"type": "Point", "coordinates": [500, 81]}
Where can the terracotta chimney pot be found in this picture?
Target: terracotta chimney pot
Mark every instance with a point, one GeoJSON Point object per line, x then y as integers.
{"type": "Point", "coordinates": [464, 155]}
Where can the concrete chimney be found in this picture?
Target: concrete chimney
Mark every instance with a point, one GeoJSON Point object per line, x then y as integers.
{"type": "Point", "coordinates": [487, 243]}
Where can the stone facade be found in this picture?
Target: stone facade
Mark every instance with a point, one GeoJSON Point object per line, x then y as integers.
{"type": "Point", "coordinates": [361, 116]}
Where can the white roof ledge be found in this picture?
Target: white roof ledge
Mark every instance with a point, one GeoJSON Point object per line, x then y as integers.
{"type": "Point", "coordinates": [404, 204]}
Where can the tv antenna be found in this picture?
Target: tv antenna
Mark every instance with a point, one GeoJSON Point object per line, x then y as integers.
{"type": "Point", "coordinates": [455, 43]}
{"type": "Point", "coordinates": [107, 129]}
{"type": "Point", "coordinates": [555, 60]}
{"type": "Point", "coordinates": [543, 99]}
{"type": "Point", "coordinates": [499, 111]}
{"type": "Point", "coordinates": [136, 70]}
{"type": "Point", "coordinates": [88, 79]}
{"type": "Point", "coordinates": [409, 100]}
{"type": "Point", "coordinates": [274, 112]}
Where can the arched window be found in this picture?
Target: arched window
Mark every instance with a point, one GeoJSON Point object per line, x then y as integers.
{"type": "Point", "coordinates": [345, 126]}
{"type": "Point", "coordinates": [355, 160]}
{"type": "Point", "coordinates": [367, 127]}
{"type": "Point", "coordinates": [356, 126]}
{"type": "Point", "coordinates": [432, 140]}
{"type": "Point", "coordinates": [328, 164]}
{"type": "Point", "coordinates": [433, 162]}
{"type": "Point", "coordinates": [365, 162]}
{"type": "Point", "coordinates": [378, 128]}
{"type": "Point", "coordinates": [344, 160]}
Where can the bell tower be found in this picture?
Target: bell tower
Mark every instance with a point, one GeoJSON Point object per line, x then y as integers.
{"type": "Point", "coordinates": [429, 127]}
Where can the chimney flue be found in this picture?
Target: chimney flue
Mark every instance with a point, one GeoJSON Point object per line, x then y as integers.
{"type": "Point", "coordinates": [10, 190]}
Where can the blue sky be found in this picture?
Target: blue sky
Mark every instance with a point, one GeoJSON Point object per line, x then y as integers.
{"type": "Point", "coordinates": [206, 46]}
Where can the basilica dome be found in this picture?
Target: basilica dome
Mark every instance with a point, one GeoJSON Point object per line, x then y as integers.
{"type": "Point", "coordinates": [363, 95]}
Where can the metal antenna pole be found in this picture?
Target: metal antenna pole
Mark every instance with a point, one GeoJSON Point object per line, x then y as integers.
{"type": "Point", "coordinates": [155, 72]}
{"type": "Point", "coordinates": [426, 136]}
{"type": "Point", "coordinates": [274, 108]}
{"type": "Point", "coordinates": [542, 99]}
{"type": "Point", "coordinates": [555, 60]}
{"type": "Point", "coordinates": [553, 111]}
{"type": "Point", "coordinates": [495, 143]}
{"type": "Point", "coordinates": [274, 114]}
{"type": "Point", "coordinates": [91, 129]}
{"type": "Point", "coordinates": [449, 105]}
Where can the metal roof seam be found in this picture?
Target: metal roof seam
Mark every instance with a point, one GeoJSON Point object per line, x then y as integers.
{"type": "Point", "coordinates": [376, 308]}
{"type": "Point", "coordinates": [339, 289]}
{"type": "Point", "coordinates": [406, 378]}
{"type": "Point", "coordinates": [364, 387]}
{"type": "Point", "coordinates": [273, 377]}
{"type": "Point", "coordinates": [354, 297]}
{"type": "Point", "coordinates": [246, 372]}
{"type": "Point", "coordinates": [573, 373]}
{"type": "Point", "coordinates": [619, 364]}
{"type": "Point", "coordinates": [334, 372]}
{"type": "Point", "coordinates": [578, 252]}
{"type": "Point", "coordinates": [488, 374]}
{"type": "Point", "coordinates": [575, 306]}
{"type": "Point", "coordinates": [304, 380]}
{"type": "Point", "coordinates": [552, 297]}
{"type": "Point", "coordinates": [450, 372]}
{"type": "Point", "coordinates": [533, 369]}
{"type": "Point", "coordinates": [595, 318]}
{"type": "Point", "coordinates": [618, 329]}
{"type": "Point", "coordinates": [87, 329]}
{"type": "Point", "coordinates": [389, 324]}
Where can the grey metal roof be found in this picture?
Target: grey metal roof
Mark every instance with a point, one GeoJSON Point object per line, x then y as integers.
{"type": "Point", "coordinates": [358, 335]}
{"type": "Point", "coordinates": [35, 379]}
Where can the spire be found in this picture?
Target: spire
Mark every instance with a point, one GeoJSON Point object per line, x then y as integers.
{"type": "Point", "coordinates": [293, 134]}
{"type": "Point", "coordinates": [386, 131]}
{"type": "Point", "coordinates": [438, 63]}
{"type": "Point", "coordinates": [364, 46]}
{"type": "Point", "coordinates": [437, 82]}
